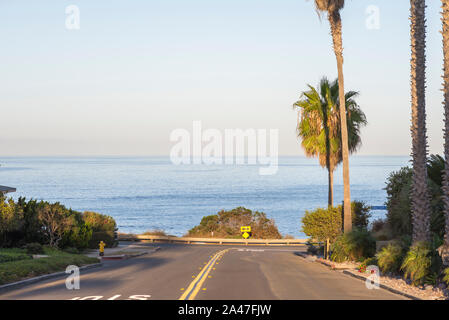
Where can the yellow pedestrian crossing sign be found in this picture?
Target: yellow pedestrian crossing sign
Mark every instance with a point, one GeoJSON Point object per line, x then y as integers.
{"type": "Point", "coordinates": [246, 231]}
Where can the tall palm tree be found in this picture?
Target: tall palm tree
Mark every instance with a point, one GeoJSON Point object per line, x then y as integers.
{"type": "Point", "coordinates": [420, 194]}
{"type": "Point", "coordinates": [319, 126]}
{"type": "Point", "coordinates": [445, 33]}
{"type": "Point", "coordinates": [333, 7]}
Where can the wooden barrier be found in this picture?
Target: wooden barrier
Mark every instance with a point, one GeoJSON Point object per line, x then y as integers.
{"type": "Point", "coordinates": [221, 241]}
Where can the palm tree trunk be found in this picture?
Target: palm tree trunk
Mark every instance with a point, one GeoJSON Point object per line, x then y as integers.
{"type": "Point", "coordinates": [420, 193]}
{"type": "Point", "coordinates": [445, 33]}
{"type": "Point", "coordinates": [336, 30]}
{"type": "Point", "coordinates": [331, 186]}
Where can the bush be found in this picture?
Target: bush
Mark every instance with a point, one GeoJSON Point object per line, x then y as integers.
{"type": "Point", "coordinates": [368, 262]}
{"type": "Point", "coordinates": [42, 222]}
{"type": "Point", "coordinates": [390, 258]}
{"type": "Point", "coordinates": [34, 248]}
{"type": "Point", "coordinates": [360, 214]}
{"type": "Point", "coordinates": [155, 232]}
{"type": "Point", "coordinates": [421, 263]}
{"type": "Point", "coordinates": [322, 224]}
{"type": "Point", "coordinates": [226, 224]}
{"type": "Point", "coordinates": [15, 254]}
{"type": "Point", "coordinates": [71, 250]}
{"type": "Point", "coordinates": [356, 245]}
{"type": "Point", "coordinates": [103, 229]}
{"type": "Point", "coordinates": [446, 276]}
{"type": "Point", "coordinates": [398, 189]}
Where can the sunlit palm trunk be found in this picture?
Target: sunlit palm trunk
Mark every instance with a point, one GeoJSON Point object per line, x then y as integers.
{"type": "Point", "coordinates": [336, 30]}
{"type": "Point", "coordinates": [420, 194]}
{"type": "Point", "coordinates": [446, 113]}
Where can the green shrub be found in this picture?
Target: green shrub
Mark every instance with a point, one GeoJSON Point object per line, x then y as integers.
{"type": "Point", "coordinates": [368, 262]}
{"type": "Point", "coordinates": [34, 248]}
{"type": "Point", "coordinates": [226, 224]}
{"type": "Point", "coordinates": [71, 250]}
{"type": "Point", "coordinates": [360, 214]}
{"type": "Point", "coordinates": [417, 264]}
{"type": "Point", "coordinates": [322, 224]}
{"type": "Point", "coordinates": [356, 245]}
{"type": "Point", "coordinates": [398, 203]}
{"type": "Point", "coordinates": [103, 229]}
{"type": "Point", "coordinates": [14, 254]}
{"type": "Point", "coordinates": [446, 276]}
{"type": "Point", "coordinates": [390, 258]}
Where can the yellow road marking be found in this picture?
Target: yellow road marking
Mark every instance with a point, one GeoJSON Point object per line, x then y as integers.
{"type": "Point", "coordinates": [195, 285]}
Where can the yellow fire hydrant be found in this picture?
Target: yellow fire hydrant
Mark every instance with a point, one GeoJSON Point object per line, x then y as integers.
{"type": "Point", "coordinates": [102, 245]}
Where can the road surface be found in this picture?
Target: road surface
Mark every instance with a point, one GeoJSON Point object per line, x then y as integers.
{"type": "Point", "coordinates": [203, 272]}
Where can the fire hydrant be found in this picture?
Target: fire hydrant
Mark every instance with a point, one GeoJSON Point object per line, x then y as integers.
{"type": "Point", "coordinates": [102, 245]}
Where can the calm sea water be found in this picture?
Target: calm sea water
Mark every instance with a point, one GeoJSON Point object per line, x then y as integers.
{"type": "Point", "coordinates": [151, 193]}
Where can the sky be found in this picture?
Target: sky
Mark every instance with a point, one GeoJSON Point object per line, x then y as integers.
{"type": "Point", "coordinates": [136, 70]}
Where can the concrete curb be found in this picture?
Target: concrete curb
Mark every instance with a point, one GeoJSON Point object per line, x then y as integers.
{"type": "Point", "coordinates": [21, 283]}
{"type": "Point", "coordinates": [327, 264]}
{"type": "Point", "coordinates": [383, 286]}
{"type": "Point", "coordinates": [129, 256]}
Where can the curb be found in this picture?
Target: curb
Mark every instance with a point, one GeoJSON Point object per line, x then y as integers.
{"type": "Point", "coordinates": [21, 283]}
{"type": "Point", "coordinates": [128, 256]}
{"type": "Point", "coordinates": [383, 286]}
{"type": "Point", "coordinates": [304, 256]}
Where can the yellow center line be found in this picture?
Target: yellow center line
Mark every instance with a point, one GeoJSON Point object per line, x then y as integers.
{"type": "Point", "coordinates": [196, 284]}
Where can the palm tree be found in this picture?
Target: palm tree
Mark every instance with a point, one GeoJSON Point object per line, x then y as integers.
{"type": "Point", "coordinates": [445, 33]}
{"type": "Point", "coordinates": [420, 194]}
{"type": "Point", "coordinates": [319, 126]}
{"type": "Point", "coordinates": [333, 7]}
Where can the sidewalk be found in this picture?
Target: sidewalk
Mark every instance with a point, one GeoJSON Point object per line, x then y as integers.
{"type": "Point", "coordinates": [123, 251]}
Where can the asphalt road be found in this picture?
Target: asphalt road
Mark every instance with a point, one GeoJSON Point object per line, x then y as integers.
{"type": "Point", "coordinates": [204, 272]}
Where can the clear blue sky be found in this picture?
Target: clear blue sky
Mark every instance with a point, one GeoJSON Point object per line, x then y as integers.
{"type": "Point", "coordinates": [138, 69]}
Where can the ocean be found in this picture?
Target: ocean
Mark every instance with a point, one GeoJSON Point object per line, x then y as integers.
{"type": "Point", "coordinates": [144, 193]}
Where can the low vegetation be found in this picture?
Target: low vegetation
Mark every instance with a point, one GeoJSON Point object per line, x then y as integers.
{"type": "Point", "coordinates": [17, 264]}
{"type": "Point", "coordinates": [226, 224]}
{"type": "Point", "coordinates": [356, 245]}
{"type": "Point", "coordinates": [390, 258]}
{"type": "Point", "coordinates": [322, 224]}
{"type": "Point", "coordinates": [39, 222]}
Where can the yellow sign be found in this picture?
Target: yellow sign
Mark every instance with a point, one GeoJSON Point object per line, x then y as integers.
{"type": "Point", "coordinates": [246, 231]}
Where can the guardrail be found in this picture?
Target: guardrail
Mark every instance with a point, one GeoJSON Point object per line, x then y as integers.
{"type": "Point", "coordinates": [189, 240]}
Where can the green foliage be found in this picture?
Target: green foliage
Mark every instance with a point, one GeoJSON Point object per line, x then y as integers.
{"type": "Point", "coordinates": [57, 261]}
{"type": "Point", "coordinates": [390, 258]}
{"type": "Point", "coordinates": [42, 222]}
{"type": "Point", "coordinates": [368, 262]}
{"type": "Point", "coordinates": [322, 224]}
{"type": "Point", "coordinates": [398, 201]}
{"type": "Point", "coordinates": [446, 276]}
{"type": "Point", "coordinates": [421, 263]}
{"type": "Point", "coordinates": [226, 224]}
{"type": "Point", "coordinates": [13, 254]}
{"type": "Point", "coordinates": [356, 245]}
{"type": "Point", "coordinates": [103, 229]}
{"type": "Point", "coordinates": [360, 214]}
{"type": "Point", "coordinates": [34, 248]}
{"type": "Point", "coordinates": [398, 189]}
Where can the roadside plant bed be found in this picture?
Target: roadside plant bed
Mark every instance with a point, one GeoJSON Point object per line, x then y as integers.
{"type": "Point", "coordinates": [19, 269]}
{"type": "Point", "coordinates": [427, 292]}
